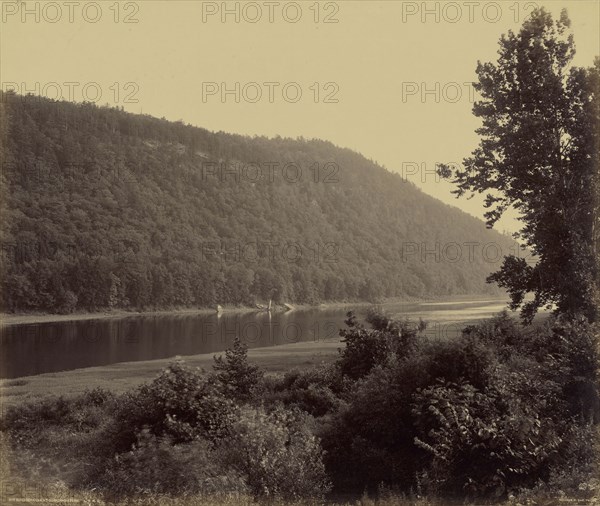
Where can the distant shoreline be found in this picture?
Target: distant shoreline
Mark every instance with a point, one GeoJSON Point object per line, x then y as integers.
{"type": "Point", "coordinates": [21, 319]}
{"type": "Point", "coordinates": [7, 319]}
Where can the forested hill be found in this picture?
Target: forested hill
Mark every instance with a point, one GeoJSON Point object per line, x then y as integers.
{"type": "Point", "coordinates": [102, 208]}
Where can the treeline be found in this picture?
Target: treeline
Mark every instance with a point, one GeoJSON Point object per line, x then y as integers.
{"type": "Point", "coordinates": [106, 209]}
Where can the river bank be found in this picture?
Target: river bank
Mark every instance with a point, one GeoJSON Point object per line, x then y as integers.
{"type": "Point", "coordinates": [25, 319]}
{"type": "Point", "coordinates": [33, 318]}
{"type": "Point", "coordinates": [126, 375]}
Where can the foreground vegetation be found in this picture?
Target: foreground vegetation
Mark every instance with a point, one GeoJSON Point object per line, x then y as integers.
{"type": "Point", "coordinates": [493, 415]}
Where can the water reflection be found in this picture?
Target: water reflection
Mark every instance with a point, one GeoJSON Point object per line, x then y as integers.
{"type": "Point", "coordinates": [57, 346]}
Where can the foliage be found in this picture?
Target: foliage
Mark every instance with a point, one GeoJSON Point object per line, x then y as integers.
{"type": "Point", "coordinates": [105, 210]}
{"type": "Point", "coordinates": [317, 391]}
{"type": "Point", "coordinates": [179, 404]}
{"type": "Point", "coordinates": [365, 349]}
{"type": "Point", "coordinates": [179, 434]}
{"type": "Point", "coordinates": [479, 416]}
{"type": "Point", "coordinates": [276, 452]}
{"type": "Point", "coordinates": [156, 466]}
{"type": "Point", "coordinates": [494, 413]}
{"type": "Point", "coordinates": [479, 445]}
{"type": "Point", "coordinates": [239, 378]}
{"type": "Point", "coordinates": [79, 414]}
{"type": "Point", "coordinates": [539, 155]}
{"type": "Point", "coordinates": [574, 479]}
{"type": "Point", "coordinates": [370, 440]}
{"type": "Point", "coordinates": [576, 348]}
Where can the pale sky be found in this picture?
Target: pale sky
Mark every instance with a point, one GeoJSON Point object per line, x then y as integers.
{"type": "Point", "coordinates": [158, 57]}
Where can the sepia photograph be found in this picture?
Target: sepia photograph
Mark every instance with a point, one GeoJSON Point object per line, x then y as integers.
{"type": "Point", "coordinates": [300, 253]}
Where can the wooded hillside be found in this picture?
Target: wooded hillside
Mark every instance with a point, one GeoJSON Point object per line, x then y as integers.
{"type": "Point", "coordinates": [107, 209]}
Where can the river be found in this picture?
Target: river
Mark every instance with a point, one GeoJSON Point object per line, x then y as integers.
{"type": "Point", "coordinates": [30, 349]}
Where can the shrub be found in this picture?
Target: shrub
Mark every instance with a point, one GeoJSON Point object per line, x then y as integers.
{"type": "Point", "coordinates": [78, 413]}
{"type": "Point", "coordinates": [367, 348]}
{"type": "Point", "coordinates": [238, 377]}
{"type": "Point", "coordinates": [37, 414]}
{"type": "Point", "coordinates": [180, 403]}
{"type": "Point", "coordinates": [371, 439]}
{"type": "Point", "coordinates": [577, 353]}
{"type": "Point", "coordinates": [489, 414]}
{"type": "Point", "coordinates": [566, 349]}
{"type": "Point", "coordinates": [156, 466]}
{"type": "Point", "coordinates": [501, 332]}
{"type": "Point", "coordinates": [481, 446]}
{"type": "Point", "coordinates": [277, 454]}
{"type": "Point", "coordinates": [315, 391]}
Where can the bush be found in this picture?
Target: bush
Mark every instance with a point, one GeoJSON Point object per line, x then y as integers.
{"type": "Point", "coordinates": [478, 415]}
{"type": "Point", "coordinates": [315, 391]}
{"type": "Point", "coordinates": [501, 332]}
{"type": "Point", "coordinates": [79, 413]}
{"type": "Point", "coordinates": [182, 434]}
{"type": "Point", "coordinates": [369, 440]}
{"type": "Point", "coordinates": [368, 348]}
{"type": "Point", "coordinates": [238, 377]}
{"type": "Point", "coordinates": [277, 454]}
{"type": "Point", "coordinates": [180, 403]}
{"type": "Point", "coordinates": [480, 445]}
{"type": "Point", "coordinates": [576, 348]}
{"type": "Point", "coordinates": [156, 466]}
{"type": "Point", "coordinates": [37, 415]}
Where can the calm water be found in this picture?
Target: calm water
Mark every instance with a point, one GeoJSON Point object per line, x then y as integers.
{"type": "Point", "coordinates": [31, 349]}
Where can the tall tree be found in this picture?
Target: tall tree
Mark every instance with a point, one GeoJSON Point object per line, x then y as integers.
{"type": "Point", "coordinates": [538, 154]}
